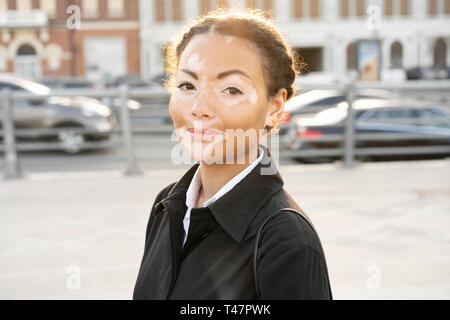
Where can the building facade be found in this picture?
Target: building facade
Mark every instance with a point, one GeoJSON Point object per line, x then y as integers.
{"type": "Point", "coordinates": [325, 33]}
{"type": "Point", "coordinates": [96, 39]}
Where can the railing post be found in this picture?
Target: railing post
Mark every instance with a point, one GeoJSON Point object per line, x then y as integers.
{"type": "Point", "coordinates": [125, 124]}
{"type": "Point", "coordinates": [12, 165]}
{"type": "Point", "coordinates": [349, 139]}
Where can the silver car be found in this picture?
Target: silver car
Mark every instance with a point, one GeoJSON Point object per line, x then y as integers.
{"type": "Point", "coordinates": [61, 113]}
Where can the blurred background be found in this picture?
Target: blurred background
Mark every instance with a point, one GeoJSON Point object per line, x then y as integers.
{"type": "Point", "coordinates": [86, 140]}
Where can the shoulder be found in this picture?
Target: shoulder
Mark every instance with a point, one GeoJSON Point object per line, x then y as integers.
{"type": "Point", "coordinates": [289, 230]}
{"type": "Point", "coordinates": [165, 191]}
{"type": "Point", "coordinates": [160, 196]}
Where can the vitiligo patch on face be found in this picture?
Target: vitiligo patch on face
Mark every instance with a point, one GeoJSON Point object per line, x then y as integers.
{"type": "Point", "coordinates": [253, 97]}
{"type": "Point", "coordinates": [212, 30]}
{"type": "Point", "coordinates": [195, 63]}
{"type": "Point", "coordinates": [229, 39]}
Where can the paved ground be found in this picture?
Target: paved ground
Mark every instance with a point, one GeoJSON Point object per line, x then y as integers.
{"type": "Point", "coordinates": [384, 227]}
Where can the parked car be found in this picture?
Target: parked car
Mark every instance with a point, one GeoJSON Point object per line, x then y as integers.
{"type": "Point", "coordinates": [314, 101]}
{"type": "Point", "coordinates": [82, 83]}
{"type": "Point", "coordinates": [64, 113]}
{"type": "Point", "coordinates": [132, 80]}
{"type": "Point", "coordinates": [430, 123]}
{"type": "Point", "coordinates": [428, 73]}
{"type": "Point", "coordinates": [324, 78]}
{"type": "Point", "coordinates": [56, 82]}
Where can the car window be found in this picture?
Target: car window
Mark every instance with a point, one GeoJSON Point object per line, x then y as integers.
{"type": "Point", "coordinates": [328, 101]}
{"type": "Point", "coordinates": [9, 85]}
{"type": "Point", "coordinates": [402, 116]}
{"type": "Point", "coordinates": [434, 118]}
{"type": "Point", "coordinates": [365, 96]}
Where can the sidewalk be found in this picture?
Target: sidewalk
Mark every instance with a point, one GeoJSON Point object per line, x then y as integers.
{"type": "Point", "coordinates": [384, 227]}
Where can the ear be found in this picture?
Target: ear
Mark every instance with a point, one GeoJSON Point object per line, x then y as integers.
{"type": "Point", "coordinates": [276, 108]}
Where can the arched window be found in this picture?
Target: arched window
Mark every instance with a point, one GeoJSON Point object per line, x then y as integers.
{"type": "Point", "coordinates": [26, 50]}
{"type": "Point", "coordinates": [396, 55]}
{"type": "Point", "coordinates": [352, 56]}
{"type": "Point", "coordinates": [27, 63]}
{"type": "Point", "coordinates": [440, 53]}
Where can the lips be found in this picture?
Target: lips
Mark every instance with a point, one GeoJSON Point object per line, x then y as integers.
{"type": "Point", "coordinates": [204, 134]}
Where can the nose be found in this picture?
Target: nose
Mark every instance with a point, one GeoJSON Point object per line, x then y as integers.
{"type": "Point", "coordinates": [201, 108]}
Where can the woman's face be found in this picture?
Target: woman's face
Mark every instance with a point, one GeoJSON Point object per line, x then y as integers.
{"type": "Point", "coordinates": [219, 104]}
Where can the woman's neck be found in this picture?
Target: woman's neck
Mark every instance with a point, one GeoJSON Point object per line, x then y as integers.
{"type": "Point", "coordinates": [215, 176]}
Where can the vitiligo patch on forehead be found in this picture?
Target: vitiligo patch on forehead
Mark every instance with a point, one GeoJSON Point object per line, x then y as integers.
{"type": "Point", "coordinates": [212, 30]}
{"type": "Point", "coordinates": [229, 39]}
{"type": "Point", "coordinates": [195, 63]}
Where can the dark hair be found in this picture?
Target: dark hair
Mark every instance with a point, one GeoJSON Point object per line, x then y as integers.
{"type": "Point", "coordinates": [279, 60]}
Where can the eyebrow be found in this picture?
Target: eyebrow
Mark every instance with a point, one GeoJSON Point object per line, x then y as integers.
{"type": "Point", "coordinates": [220, 75]}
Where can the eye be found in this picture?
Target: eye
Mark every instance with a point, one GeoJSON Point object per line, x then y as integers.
{"type": "Point", "coordinates": [189, 86]}
{"type": "Point", "coordinates": [234, 91]}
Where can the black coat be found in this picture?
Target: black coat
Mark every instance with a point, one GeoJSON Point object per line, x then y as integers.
{"type": "Point", "coordinates": [216, 261]}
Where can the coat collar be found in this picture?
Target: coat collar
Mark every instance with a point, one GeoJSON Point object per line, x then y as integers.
{"type": "Point", "coordinates": [230, 211]}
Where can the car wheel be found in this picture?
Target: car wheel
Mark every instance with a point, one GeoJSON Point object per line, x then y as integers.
{"type": "Point", "coordinates": [70, 141]}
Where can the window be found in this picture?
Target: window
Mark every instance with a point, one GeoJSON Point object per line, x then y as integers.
{"type": "Point", "coordinates": [160, 10]}
{"type": "Point", "coordinates": [298, 9]}
{"type": "Point", "coordinates": [438, 7]}
{"type": "Point", "coordinates": [4, 85]}
{"type": "Point", "coordinates": [49, 6]}
{"type": "Point", "coordinates": [401, 116]}
{"type": "Point", "coordinates": [205, 6]}
{"type": "Point", "coordinates": [222, 3]}
{"type": "Point", "coordinates": [396, 7]}
{"type": "Point", "coordinates": [434, 118]}
{"type": "Point", "coordinates": [331, 101]}
{"type": "Point", "coordinates": [404, 7]}
{"type": "Point", "coordinates": [440, 53]}
{"type": "Point", "coordinates": [388, 7]}
{"type": "Point", "coordinates": [168, 10]}
{"type": "Point", "coordinates": [306, 8]}
{"type": "Point", "coordinates": [260, 4]}
{"type": "Point", "coordinates": [360, 8]}
{"type": "Point", "coordinates": [116, 8]}
{"type": "Point", "coordinates": [396, 55]}
{"type": "Point", "coordinates": [177, 10]}
{"type": "Point", "coordinates": [352, 56]}
{"type": "Point", "coordinates": [3, 5]}
{"type": "Point", "coordinates": [345, 8]}
{"type": "Point", "coordinates": [353, 8]}
{"type": "Point", "coordinates": [432, 7]}
{"type": "Point", "coordinates": [23, 5]}
{"type": "Point", "coordinates": [314, 8]}
{"type": "Point", "coordinates": [90, 8]}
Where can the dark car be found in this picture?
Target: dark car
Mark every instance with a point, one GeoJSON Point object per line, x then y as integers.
{"type": "Point", "coordinates": [314, 101]}
{"type": "Point", "coordinates": [428, 73]}
{"type": "Point", "coordinates": [429, 124]}
{"type": "Point", "coordinates": [62, 113]}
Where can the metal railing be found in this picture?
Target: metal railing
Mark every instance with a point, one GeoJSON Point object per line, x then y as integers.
{"type": "Point", "coordinates": [349, 142]}
{"type": "Point", "coordinates": [122, 134]}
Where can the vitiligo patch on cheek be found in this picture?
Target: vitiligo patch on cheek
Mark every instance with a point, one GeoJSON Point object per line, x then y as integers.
{"type": "Point", "coordinates": [253, 97]}
{"type": "Point", "coordinates": [179, 94]}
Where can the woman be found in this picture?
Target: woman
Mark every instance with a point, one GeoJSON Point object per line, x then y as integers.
{"type": "Point", "coordinates": [231, 74]}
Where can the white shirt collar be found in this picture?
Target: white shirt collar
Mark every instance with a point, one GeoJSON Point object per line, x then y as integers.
{"type": "Point", "coordinates": [195, 185]}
